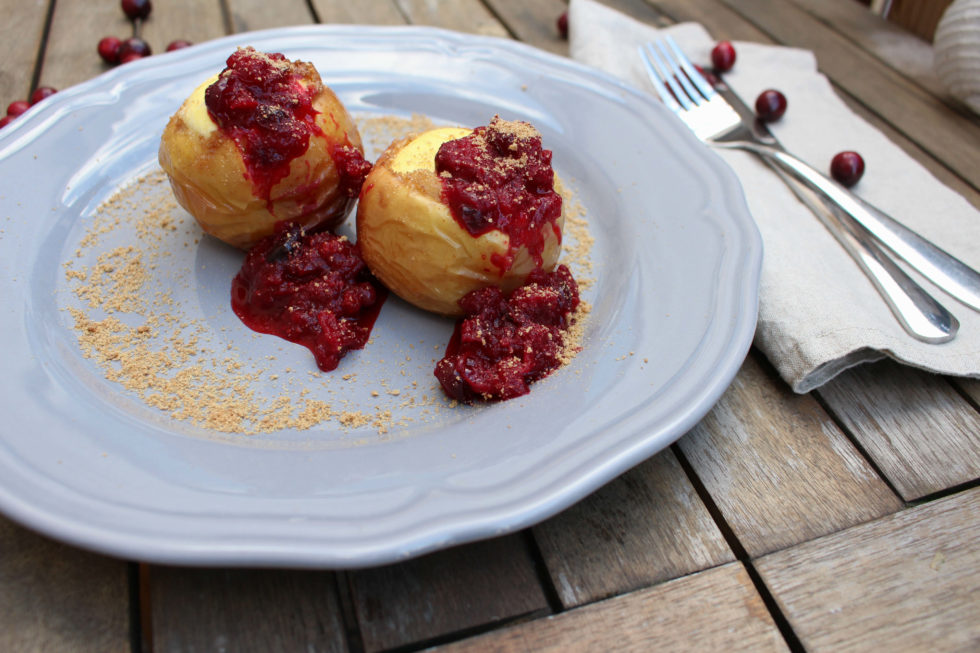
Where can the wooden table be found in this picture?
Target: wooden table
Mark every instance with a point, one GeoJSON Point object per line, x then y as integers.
{"type": "Point", "coordinates": [847, 519]}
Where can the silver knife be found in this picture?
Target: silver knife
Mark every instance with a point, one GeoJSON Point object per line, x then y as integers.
{"type": "Point", "coordinates": [920, 314]}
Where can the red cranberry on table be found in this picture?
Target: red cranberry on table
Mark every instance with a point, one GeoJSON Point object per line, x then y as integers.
{"type": "Point", "coordinates": [847, 168]}
{"type": "Point", "coordinates": [40, 93]}
{"type": "Point", "coordinates": [109, 49]}
{"type": "Point", "coordinates": [6, 120]}
{"type": "Point", "coordinates": [17, 107]}
{"type": "Point", "coordinates": [132, 46]}
{"type": "Point", "coordinates": [137, 8]}
{"type": "Point", "coordinates": [723, 56]}
{"type": "Point", "coordinates": [562, 24]}
{"type": "Point", "coordinates": [179, 44]}
{"type": "Point", "coordinates": [770, 105]}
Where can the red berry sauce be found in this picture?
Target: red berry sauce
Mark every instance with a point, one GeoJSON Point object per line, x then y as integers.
{"type": "Point", "coordinates": [503, 344]}
{"type": "Point", "coordinates": [351, 167]}
{"type": "Point", "coordinates": [499, 177]}
{"type": "Point", "coordinates": [311, 289]}
{"type": "Point", "coordinates": [261, 102]}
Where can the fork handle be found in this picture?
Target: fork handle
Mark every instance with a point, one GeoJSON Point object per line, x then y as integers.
{"type": "Point", "coordinates": [921, 316]}
{"type": "Point", "coordinates": [943, 269]}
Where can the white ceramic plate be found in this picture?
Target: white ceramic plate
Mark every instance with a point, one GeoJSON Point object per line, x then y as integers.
{"type": "Point", "coordinates": [677, 261]}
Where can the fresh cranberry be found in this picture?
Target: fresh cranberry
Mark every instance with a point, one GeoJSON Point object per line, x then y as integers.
{"type": "Point", "coordinates": [40, 93]}
{"type": "Point", "coordinates": [109, 49]}
{"type": "Point", "coordinates": [17, 107]}
{"type": "Point", "coordinates": [133, 45]}
{"type": "Point", "coordinates": [136, 9]}
{"type": "Point", "coordinates": [562, 24]}
{"type": "Point", "coordinates": [6, 120]}
{"type": "Point", "coordinates": [130, 56]}
{"type": "Point", "coordinates": [770, 105]}
{"type": "Point", "coordinates": [179, 44]}
{"type": "Point", "coordinates": [723, 56]}
{"type": "Point", "coordinates": [847, 168]}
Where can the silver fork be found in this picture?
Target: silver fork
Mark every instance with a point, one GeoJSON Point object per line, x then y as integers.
{"type": "Point", "coordinates": [853, 221]}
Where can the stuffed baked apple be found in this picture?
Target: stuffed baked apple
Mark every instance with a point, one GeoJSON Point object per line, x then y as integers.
{"type": "Point", "coordinates": [263, 142]}
{"type": "Point", "coordinates": [453, 210]}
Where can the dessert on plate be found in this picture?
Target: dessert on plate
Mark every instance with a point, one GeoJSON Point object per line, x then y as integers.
{"type": "Point", "coordinates": [453, 210]}
{"type": "Point", "coordinates": [263, 142]}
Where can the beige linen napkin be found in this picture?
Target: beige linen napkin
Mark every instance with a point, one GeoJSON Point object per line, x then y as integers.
{"type": "Point", "coordinates": [818, 314]}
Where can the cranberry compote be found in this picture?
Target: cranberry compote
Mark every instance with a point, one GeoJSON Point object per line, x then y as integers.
{"type": "Point", "coordinates": [311, 289]}
{"type": "Point", "coordinates": [499, 177]}
{"type": "Point", "coordinates": [261, 102]}
{"type": "Point", "coordinates": [352, 168]}
{"type": "Point", "coordinates": [502, 344]}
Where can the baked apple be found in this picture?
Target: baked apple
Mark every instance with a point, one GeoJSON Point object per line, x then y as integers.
{"type": "Point", "coordinates": [453, 210]}
{"type": "Point", "coordinates": [263, 142]}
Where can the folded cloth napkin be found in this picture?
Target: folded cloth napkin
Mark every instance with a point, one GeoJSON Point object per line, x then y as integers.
{"type": "Point", "coordinates": [818, 313]}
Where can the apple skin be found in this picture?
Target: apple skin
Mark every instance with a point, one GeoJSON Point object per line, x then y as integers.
{"type": "Point", "coordinates": [209, 178]}
{"type": "Point", "coordinates": [411, 242]}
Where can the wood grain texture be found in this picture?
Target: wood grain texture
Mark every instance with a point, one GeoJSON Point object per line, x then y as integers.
{"type": "Point", "coordinates": [921, 434]}
{"type": "Point", "coordinates": [57, 598]}
{"type": "Point", "coordinates": [71, 56]}
{"type": "Point", "coordinates": [970, 387]}
{"type": "Point", "coordinates": [248, 15]}
{"type": "Point", "coordinates": [907, 582]}
{"type": "Point", "coordinates": [895, 46]}
{"type": "Point", "coordinates": [462, 15]}
{"type": "Point", "coordinates": [534, 23]}
{"type": "Point", "coordinates": [364, 12]}
{"type": "Point", "coordinates": [645, 527]}
{"type": "Point", "coordinates": [23, 25]}
{"type": "Point", "coordinates": [244, 610]}
{"type": "Point", "coordinates": [778, 468]}
{"type": "Point", "coordinates": [714, 610]}
{"type": "Point", "coordinates": [446, 592]}
{"type": "Point", "coordinates": [192, 20]}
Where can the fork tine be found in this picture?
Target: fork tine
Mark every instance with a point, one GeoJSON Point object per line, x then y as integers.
{"type": "Point", "coordinates": [706, 89]}
{"type": "Point", "coordinates": [657, 78]}
{"type": "Point", "coordinates": [677, 74]}
{"type": "Point", "coordinates": [678, 98]}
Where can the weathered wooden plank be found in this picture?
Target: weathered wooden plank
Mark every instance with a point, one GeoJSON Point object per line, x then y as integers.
{"type": "Point", "coordinates": [71, 56]}
{"type": "Point", "coordinates": [921, 434]}
{"type": "Point", "coordinates": [57, 598]}
{"type": "Point", "coordinates": [971, 387]}
{"type": "Point", "coordinates": [23, 28]}
{"type": "Point", "coordinates": [244, 610]}
{"type": "Point", "coordinates": [442, 593]}
{"type": "Point", "coordinates": [714, 610]}
{"type": "Point", "coordinates": [534, 23]}
{"type": "Point", "coordinates": [248, 15]}
{"type": "Point", "coordinates": [907, 582]}
{"type": "Point", "coordinates": [463, 15]}
{"type": "Point", "coordinates": [192, 20]}
{"type": "Point", "coordinates": [897, 47]}
{"type": "Point", "coordinates": [778, 468]}
{"type": "Point", "coordinates": [948, 135]}
{"type": "Point", "coordinates": [720, 21]}
{"type": "Point", "coordinates": [364, 12]}
{"type": "Point", "coordinates": [645, 527]}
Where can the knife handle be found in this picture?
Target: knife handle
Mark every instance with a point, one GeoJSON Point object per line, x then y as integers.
{"type": "Point", "coordinates": [921, 316]}
{"type": "Point", "coordinates": [941, 268]}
